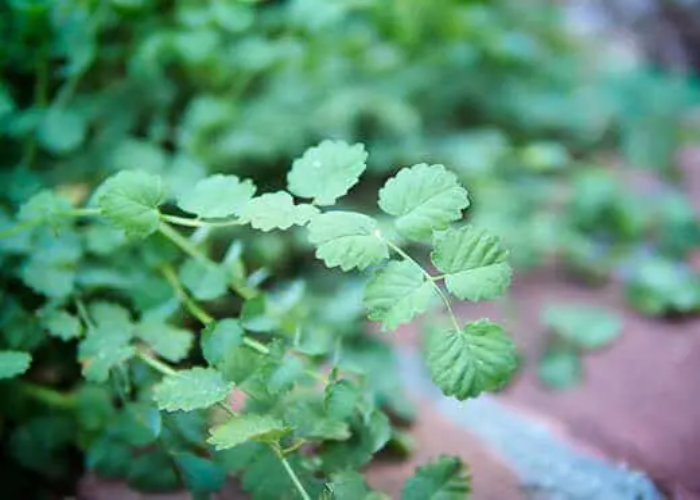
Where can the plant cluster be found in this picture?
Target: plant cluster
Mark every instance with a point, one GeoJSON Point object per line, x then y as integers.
{"type": "Point", "coordinates": [175, 394]}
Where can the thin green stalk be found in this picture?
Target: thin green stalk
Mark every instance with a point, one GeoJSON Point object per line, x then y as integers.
{"type": "Point", "coordinates": [198, 311]}
{"type": "Point", "coordinates": [50, 397]}
{"type": "Point", "coordinates": [185, 245]}
{"type": "Point", "coordinates": [83, 313]}
{"type": "Point", "coordinates": [190, 304]}
{"type": "Point", "coordinates": [41, 89]}
{"type": "Point", "coordinates": [187, 222]}
{"type": "Point", "coordinates": [291, 473]}
{"type": "Point", "coordinates": [30, 224]}
{"type": "Point", "coordinates": [156, 364]}
{"type": "Point", "coordinates": [431, 279]}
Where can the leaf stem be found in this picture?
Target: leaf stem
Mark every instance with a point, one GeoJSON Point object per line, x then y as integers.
{"type": "Point", "coordinates": [198, 311]}
{"type": "Point", "coordinates": [190, 222]}
{"type": "Point", "coordinates": [190, 304]}
{"type": "Point", "coordinates": [185, 245]}
{"type": "Point", "coordinates": [47, 396]}
{"type": "Point", "coordinates": [156, 364]}
{"type": "Point", "coordinates": [83, 313]}
{"type": "Point", "coordinates": [432, 279]}
{"type": "Point", "coordinates": [291, 473]}
{"type": "Point", "coordinates": [30, 224]}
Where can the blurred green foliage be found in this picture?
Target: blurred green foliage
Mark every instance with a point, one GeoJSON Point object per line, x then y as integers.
{"type": "Point", "coordinates": [527, 115]}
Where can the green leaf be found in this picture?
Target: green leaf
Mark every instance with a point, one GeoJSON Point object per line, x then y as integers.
{"type": "Point", "coordinates": [276, 211]}
{"type": "Point", "coordinates": [560, 368]}
{"type": "Point", "coordinates": [61, 130]}
{"type": "Point", "coordinates": [250, 427]}
{"type": "Point", "coordinates": [327, 172]}
{"type": "Point", "coordinates": [61, 324]}
{"type": "Point", "coordinates": [424, 198]}
{"type": "Point", "coordinates": [13, 363]}
{"type": "Point", "coordinates": [220, 339]}
{"type": "Point", "coordinates": [191, 389]}
{"type": "Point", "coordinates": [397, 293]}
{"type": "Point", "coordinates": [585, 327]}
{"type": "Point", "coordinates": [464, 363]}
{"type": "Point", "coordinates": [348, 485]}
{"type": "Point", "coordinates": [130, 201]}
{"type": "Point", "coordinates": [101, 350]}
{"type": "Point", "coordinates": [53, 279]}
{"type": "Point", "coordinates": [347, 240]}
{"type": "Point", "coordinates": [111, 316]}
{"type": "Point", "coordinates": [445, 478]}
{"type": "Point", "coordinates": [152, 470]}
{"type": "Point", "coordinates": [217, 196]}
{"type": "Point", "coordinates": [474, 264]}
{"type": "Point", "coordinates": [167, 341]}
{"type": "Point", "coordinates": [340, 399]}
{"type": "Point", "coordinates": [198, 473]}
{"type": "Point", "coordinates": [46, 207]}
{"type": "Point", "coordinates": [206, 280]}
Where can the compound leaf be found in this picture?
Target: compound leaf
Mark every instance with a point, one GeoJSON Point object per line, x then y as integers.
{"type": "Point", "coordinates": [445, 478]}
{"type": "Point", "coordinates": [464, 363]}
{"type": "Point", "coordinates": [191, 389]}
{"type": "Point", "coordinates": [245, 428]}
{"type": "Point", "coordinates": [397, 293]}
{"type": "Point", "coordinates": [276, 211]}
{"type": "Point", "coordinates": [474, 264]}
{"type": "Point", "coordinates": [327, 172]}
{"type": "Point", "coordinates": [217, 196]}
{"type": "Point", "coordinates": [424, 198]}
{"type": "Point", "coordinates": [130, 201]}
{"type": "Point", "coordinates": [347, 240]}
{"type": "Point", "coordinates": [13, 363]}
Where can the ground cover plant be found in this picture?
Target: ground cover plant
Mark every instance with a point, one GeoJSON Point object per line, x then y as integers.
{"type": "Point", "coordinates": [117, 283]}
{"type": "Point", "coordinates": [176, 103]}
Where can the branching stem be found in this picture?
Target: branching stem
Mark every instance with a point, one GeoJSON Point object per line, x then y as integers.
{"type": "Point", "coordinates": [431, 279]}
{"type": "Point", "coordinates": [156, 364]}
{"type": "Point", "coordinates": [185, 245]}
{"type": "Point", "coordinates": [291, 473]}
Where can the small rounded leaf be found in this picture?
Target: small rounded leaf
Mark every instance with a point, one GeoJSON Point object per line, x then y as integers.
{"type": "Point", "coordinates": [217, 196]}
{"type": "Point", "coordinates": [13, 363]}
{"type": "Point", "coordinates": [130, 201]}
{"type": "Point", "coordinates": [327, 172]}
{"type": "Point", "coordinates": [347, 240]}
{"type": "Point", "coordinates": [423, 198]}
{"type": "Point", "coordinates": [464, 363]}
{"type": "Point", "coordinates": [473, 262]}
{"type": "Point", "coordinates": [398, 293]}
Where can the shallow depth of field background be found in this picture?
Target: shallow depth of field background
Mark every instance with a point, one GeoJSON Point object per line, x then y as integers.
{"type": "Point", "coordinates": [575, 125]}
